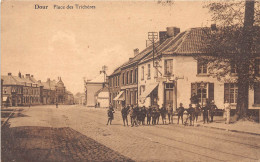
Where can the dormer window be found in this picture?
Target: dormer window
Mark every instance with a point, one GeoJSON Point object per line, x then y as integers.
{"type": "Point", "coordinates": [202, 67]}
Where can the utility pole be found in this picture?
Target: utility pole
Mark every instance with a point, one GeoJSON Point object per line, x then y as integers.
{"type": "Point", "coordinates": [153, 36]}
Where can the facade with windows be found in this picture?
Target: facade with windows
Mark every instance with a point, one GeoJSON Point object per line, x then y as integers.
{"type": "Point", "coordinates": [114, 86]}
{"type": "Point", "coordinates": [26, 90]}
{"type": "Point", "coordinates": [178, 75]}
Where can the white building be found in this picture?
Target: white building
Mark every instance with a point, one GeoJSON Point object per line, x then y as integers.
{"type": "Point", "coordinates": [178, 75]}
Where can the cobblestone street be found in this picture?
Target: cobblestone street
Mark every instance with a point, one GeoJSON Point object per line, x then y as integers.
{"type": "Point", "coordinates": [75, 133]}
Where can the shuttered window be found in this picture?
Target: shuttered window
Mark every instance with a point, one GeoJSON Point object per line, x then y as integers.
{"type": "Point", "coordinates": [230, 92]}
{"type": "Point", "coordinates": [206, 92]}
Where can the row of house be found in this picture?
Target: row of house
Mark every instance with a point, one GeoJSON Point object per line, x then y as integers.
{"type": "Point", "coordinates": [171, 74]}
{"type": "Point", "coordinates": [26, 90]}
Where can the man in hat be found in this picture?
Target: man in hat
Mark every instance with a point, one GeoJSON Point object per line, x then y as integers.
{"type": "Point", "coordinates": [125, 111]}
{"type": "Point", "coordinates": [110, 114]}
{"type": "Point", "coordinates": [180, 112]}
{"type": "Point", "coordinates": [212, 110]}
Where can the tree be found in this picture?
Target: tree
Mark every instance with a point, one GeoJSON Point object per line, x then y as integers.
{"type": "Point", "coordinates": [233, 46]}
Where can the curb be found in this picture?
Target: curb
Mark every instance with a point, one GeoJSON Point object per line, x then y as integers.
{"type": "Point", "coordinates": [231, 130]}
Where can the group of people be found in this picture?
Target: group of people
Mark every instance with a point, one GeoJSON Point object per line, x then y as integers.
{"type": "Point", "coordinates": [193, 112]}
{"type": "Point", "coordinates": [153, 114]}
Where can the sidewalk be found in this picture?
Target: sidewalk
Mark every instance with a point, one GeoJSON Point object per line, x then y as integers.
{"type": "Point", "coordinates": [239, 126]}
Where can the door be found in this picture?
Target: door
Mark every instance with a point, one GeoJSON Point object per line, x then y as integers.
{"type": "Point", "coordinates": [168, 94]}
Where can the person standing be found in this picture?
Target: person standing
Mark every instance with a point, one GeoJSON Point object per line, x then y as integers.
{"type": "Point", "coordinates": [163, 114]}
{"type": "Point", "coordinates": [180, 112]}
{"type": "Point", "coordinates": [157, 114]}
{"type": "Point", "coordinates": [143, 111]}
{"type": "Point", "coordinates": [170, 113]}
{"type": "Point", "coordinates": [110, 114]}
{"type": "Point", "coordinates": [212, 110]}
{"type": "Point", "coordinates": [56, 105]}
{"type": "Point", "coordinates": [197, 111]}
{"type": "Point", "coordinates": [191, 112]}
{"type": "Point", "coordinates": [227, 112]}
{"type": "Point", "coordinates": [205, 112]}
{"type": "Point", "coordinates": [149, 115]}
{"type": "Point", "coordinates": [124, 112]}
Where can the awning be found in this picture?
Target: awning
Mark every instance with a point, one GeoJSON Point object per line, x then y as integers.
{"type": "Point", "coordinates": [148, 89]}
{"type": "Point", "coordinates": [4, 98]}
{"type": "Point", "coordinates": [119, 97]}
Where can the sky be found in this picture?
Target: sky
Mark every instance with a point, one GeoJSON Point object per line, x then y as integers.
{"type": "Point", "coordinates": [75, 43]}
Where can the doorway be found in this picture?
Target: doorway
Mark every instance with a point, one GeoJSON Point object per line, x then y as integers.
{"type": "Point", "coordinates": [168, 94]}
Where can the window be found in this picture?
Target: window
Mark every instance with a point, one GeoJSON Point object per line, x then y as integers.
{"type": "Point", "coordinates": [207, 91]}
{"type": "Point", "coordinates": [131, 77]}
{"type": "Point", "coordinates": [123, 78]}
{"type": "Point", "coordinates": [5, 90]}
{"type": "Point", "coordinates": [142, 73]}
{"type": "Point", "coordinates": [142, 89]}
{"type": "Point", "coordinates": [202, 67]}
{"type": "Point", "coordinates": [168, 67]}
{"type": "Point", "coordinates": [127, 73]}
{"type": "Point", "coordinates": [230, 92]}
{"type": "Point", "coordinates": [168, 85]}
{"type": "Point", "coordinates": [148, 71]}
{"type": "Point", "coordinates": [136, 76]}
{"type": "Point", "coordinates": [155, 72]}
{"type": "Point", "coordinates": [257, 93]}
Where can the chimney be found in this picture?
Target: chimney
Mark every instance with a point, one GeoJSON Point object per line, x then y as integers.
{"type": "Point", "coordinates": [10, 74]}
{"type": "Point", "coordinates": [27, 75]}
{"type": "Point", "coordinates": [32, 76]}
{"type": "Point", "coordinates": [130, 59]}
{"type": "Point", "coordinates": [136, 51]}
{"type": "Point", "coordinates": [213, 27]}
{"type": "Point", "coordinates": [172, 31]}
{"type": "Point", "coordinates": [19, 75]}
{"type": "Point", "coordinates": [162, 36]}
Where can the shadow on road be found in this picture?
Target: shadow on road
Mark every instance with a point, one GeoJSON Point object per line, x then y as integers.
{"type": "Point", "coordinates": [52, 144]}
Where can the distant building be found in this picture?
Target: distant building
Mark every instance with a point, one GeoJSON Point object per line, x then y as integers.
{"type": "Point", "coordinates": [69, 98]}
{"type": "Point", "coordinates": [102, 97]}
{"type": "Point", "coordinates": [92, 87]}
{"type": "Point", "coordinates": [79, 98]}
{"type": "Point", "coordinates": [25, 91]}
{"type": "Point", "coordinates": [60, 92]}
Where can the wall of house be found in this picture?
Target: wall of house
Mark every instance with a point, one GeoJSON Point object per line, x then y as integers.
{"type": "Point", "coordinates": [92, 88]}
{"type": "Point", "coordinates": [186, 68]}
{"type": "Point", "coordinates": [146, 81]}
{"type": "Point", "coordinates": [130, 88]}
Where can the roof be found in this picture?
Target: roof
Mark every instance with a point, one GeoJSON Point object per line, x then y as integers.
{"type": "Point", "coordinates": [185, 43]}
{"type": "Point", "coordinates": [49, 84]}
{"type": "Point", "coordinates": [191, 42]}
{"type": "Point", "coordinates": [139, 56]}
{"type": "Point", "coordinates": [10, 80]}
{"type": "Point", "coordinates": [98, 79]}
